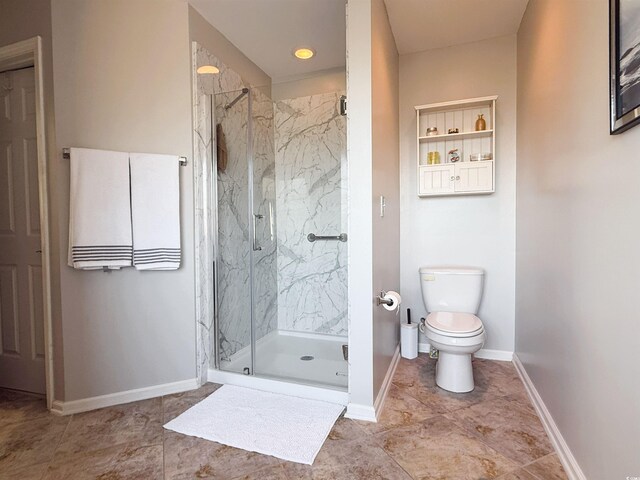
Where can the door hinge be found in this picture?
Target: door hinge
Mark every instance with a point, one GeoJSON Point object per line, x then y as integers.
{"type": "Point", "coordinates": [343, 105]}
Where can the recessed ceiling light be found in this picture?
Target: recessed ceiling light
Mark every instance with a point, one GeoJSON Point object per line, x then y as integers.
{"type": "Point", "coordinates": [208, 69]}
{"type": "Point", "coordinates": [304, 53]}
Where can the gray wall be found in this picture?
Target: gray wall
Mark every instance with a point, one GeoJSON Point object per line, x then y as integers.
{"type": "Point", "coordinates": [385, 181]}
{"type": "Point", "coordinates": [577, 329]}
{"type": "Point", "coordinates": [122, 82]}
{"type": "Point", "coordinates": [468, 229]}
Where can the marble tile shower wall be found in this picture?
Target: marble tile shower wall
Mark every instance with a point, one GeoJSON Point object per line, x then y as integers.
{"type": "Point", "coordinates": [310, 143]}
{"type": "Point", "coordinates": [298, 285]}
{"type": "Point", "coordinates": [234, 229]}
{"type": "Point", "coordinates": [264, 193]}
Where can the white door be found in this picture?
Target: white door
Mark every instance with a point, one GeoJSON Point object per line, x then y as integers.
{"type": "Point", "coordinates": [474, 176]}
{"type": "Point", "coordinates": [435, 180]}
{"type": "Point", "coordinates": [21, 314]}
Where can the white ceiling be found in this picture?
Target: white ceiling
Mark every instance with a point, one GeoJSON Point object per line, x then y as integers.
{"type": "Point", "coordinates": [425, 24]}
{"type": "Point", "coordinates": [267, 31]}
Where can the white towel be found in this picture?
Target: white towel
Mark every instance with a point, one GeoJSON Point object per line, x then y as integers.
{"type": "Point", "coordinates": [155, 206]}
{"type": "Point", "coordinates": [100, 211]}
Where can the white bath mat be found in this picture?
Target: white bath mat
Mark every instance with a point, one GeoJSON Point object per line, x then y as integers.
{"type": "Point", "coordinates": [289, 428]}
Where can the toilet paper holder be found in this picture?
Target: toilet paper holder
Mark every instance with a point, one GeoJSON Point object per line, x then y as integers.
{"type": "Point", "coordinates": [382, 299]}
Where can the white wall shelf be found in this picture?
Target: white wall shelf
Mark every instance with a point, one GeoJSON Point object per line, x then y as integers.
{"type": "Point", "coordinates": [456, 136]}
{"type": "Point", "coordinates": [464, 177]}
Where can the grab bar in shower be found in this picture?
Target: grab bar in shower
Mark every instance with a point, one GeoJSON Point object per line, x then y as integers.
{"type": "Point", "coordinates": [256, 216]}
{"type": "Point", "coordinates": [312, 237]}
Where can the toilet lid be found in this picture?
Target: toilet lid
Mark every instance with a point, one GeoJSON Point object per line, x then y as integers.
{"type": "Point", "coordinates": [456, 323]}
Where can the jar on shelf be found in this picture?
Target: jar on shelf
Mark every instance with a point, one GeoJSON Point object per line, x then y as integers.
{"type": "Point", "coordinates": [481, 123]}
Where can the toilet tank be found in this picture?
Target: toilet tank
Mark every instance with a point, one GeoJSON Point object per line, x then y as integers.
{"type": "Point", "coordinates": [451, 288]}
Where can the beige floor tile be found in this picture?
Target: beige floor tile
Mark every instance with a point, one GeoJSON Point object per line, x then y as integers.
{"type": "Point", "coordinates": [433, 434]}
{"type": "Point", "coordinates": [114, 463]}
{"type": "Point", "coordinates": [191, 457]}
{"type": "Point", "coordinates": [498, 376]}
{"type": "Point", "coordinates": [356, 460]}
{"type": "Point", "coordinates": [137, 424]}
{"type": "Point", "coordinates": [30, 442]}
{"type": "Point", "coordinates": [547, 468]}
{"type": "Point", "coordinates": [28, 472]}
{"type": "Point", "coordinates": [523, 401]}
{"type": "Point", "coordinates": [438, 449]}
{"type": "Point", "coordinates": [270, 473]}
{"type": "Point", "coordinates": [174, 405]}
{"type": "Point", "coordinates": [503, 425]}
{"type": "Point", "coordinates": [290, 471]}
{"type": "Point", "coordinates": [417, 371]}
{"type": "Point", "coordinates": [419, 381]}
{"type": "Point", "coordinates": [400, 409]}
{"type": "Point", "coordinates": [520, 474]}
{"type": "Point", "coordinates": [19, 407]}
{"type": "Point", "coordinates": [344, 431]}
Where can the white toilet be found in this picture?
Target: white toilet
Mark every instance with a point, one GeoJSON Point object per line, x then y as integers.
{"type": "Point", "coordinates": [452, 296]}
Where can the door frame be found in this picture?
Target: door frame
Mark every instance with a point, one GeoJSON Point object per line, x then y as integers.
{"type": "Point", "coordinates": [24, 54]}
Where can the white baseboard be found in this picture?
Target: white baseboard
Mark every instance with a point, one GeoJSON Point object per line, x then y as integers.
{"type": "Point", "coordinates": [386, 383]}
{"type": "Point", "coordinates": [370, 413]}
{"type": "Point", "coordinates": [85, 404]}
{"type": "Point", "coordinates": [501, 355]}
{"type": "Point", "coordinates": [564, 453]}
{"type": "Point", "coordinates": [355, 411]}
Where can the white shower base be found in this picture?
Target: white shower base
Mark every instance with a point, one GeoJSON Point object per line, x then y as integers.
{"type": "Point", "coordinates": [278, 356]}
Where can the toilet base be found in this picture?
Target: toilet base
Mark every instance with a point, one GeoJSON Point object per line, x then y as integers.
{"type": "Point", "coordinates": [454, 372]}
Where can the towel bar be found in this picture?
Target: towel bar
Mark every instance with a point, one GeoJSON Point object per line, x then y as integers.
{"type": "Point", "coordinates": [66, 154]}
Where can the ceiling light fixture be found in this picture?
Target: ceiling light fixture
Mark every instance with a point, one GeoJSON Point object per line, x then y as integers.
{"type": "Point", "coordinates": [304, 53]}
{"type": "Point", "coordinates": [208, 69]}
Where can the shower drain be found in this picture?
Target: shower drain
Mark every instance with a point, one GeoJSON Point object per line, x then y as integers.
{"type": "Point", "coordinates": [306, 358]}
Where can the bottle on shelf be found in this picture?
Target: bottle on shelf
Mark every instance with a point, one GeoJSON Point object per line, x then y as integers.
{"type": "Point", "coordinates": [481, 123]}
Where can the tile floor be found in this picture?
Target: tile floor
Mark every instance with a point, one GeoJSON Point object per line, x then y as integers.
{"type": "Point", "coordinates": [424, 433]}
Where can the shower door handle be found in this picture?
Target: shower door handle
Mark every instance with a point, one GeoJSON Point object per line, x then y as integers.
{"type": "Point", "coordinates": [256, 216]}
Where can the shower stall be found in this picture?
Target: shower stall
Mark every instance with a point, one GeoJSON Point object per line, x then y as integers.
{"type": "Point", "coordinates": [276, 222]}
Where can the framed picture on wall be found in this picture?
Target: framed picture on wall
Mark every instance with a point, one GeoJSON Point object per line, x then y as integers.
{"type": "Point", "coordinates": [624, 42]}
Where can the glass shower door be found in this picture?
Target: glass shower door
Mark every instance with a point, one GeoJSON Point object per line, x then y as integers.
{"type": "Point", "coordinates": [263, 198]}
{"type": "Point", "coordinates": [246, 269]}
{"type": "Point", "coordinates": [232, 126]}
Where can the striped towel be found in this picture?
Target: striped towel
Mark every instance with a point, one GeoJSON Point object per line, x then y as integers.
{"type": "Point", "coordinates": [100, 211]}
{"type": "Point", "coordinates": [155, 208]}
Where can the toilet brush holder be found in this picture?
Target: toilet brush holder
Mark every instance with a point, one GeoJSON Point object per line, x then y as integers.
{"type": "Point", "coordinates": [409, 340]}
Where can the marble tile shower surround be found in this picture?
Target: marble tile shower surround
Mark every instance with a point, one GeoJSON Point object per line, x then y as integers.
{"type": "Point", "coordinates": [231, 190]}
{"type": "Point", "coordinates": [297, 285]}
{"type": "Point", "coordinates": [310, 144]}
{"type": "Point", "coordinates": [264, 192]}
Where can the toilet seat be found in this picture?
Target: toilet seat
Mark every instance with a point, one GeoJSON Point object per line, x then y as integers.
{"type": "Point", "coordinates": [454, 324]}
